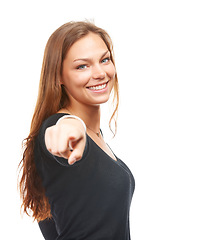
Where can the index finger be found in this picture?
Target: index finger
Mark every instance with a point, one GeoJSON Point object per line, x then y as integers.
{"type": "Point", "coordinates": [77, 152]}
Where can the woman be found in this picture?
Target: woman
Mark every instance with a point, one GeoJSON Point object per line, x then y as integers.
{"type": "Point", "coordinates": [72, 182]}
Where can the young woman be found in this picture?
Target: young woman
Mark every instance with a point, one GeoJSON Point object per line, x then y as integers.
{"type": "Point", "coordinates": [74, 185]}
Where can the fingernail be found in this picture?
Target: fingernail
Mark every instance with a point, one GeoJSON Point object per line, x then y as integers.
{"type": "Point", "coordinates": [72, 161]}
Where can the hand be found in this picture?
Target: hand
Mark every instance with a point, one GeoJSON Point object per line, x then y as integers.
{"type": "Point", "coordinates": [67, 139]}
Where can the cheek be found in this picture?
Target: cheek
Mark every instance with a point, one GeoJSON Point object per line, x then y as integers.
{"type": "Point", "coordinates": [111, 71]}
{"type": "Point", "coordinates": [76, 79]}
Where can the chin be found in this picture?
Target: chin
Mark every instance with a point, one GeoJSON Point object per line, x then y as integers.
{"type": "Point", "coordinates": [97, 103]}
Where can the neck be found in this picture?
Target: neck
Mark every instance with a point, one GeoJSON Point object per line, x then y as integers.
{"type": "Point", "coordinates": [90, 115]}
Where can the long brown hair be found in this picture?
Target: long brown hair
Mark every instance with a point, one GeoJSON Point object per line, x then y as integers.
{"type": "Point", "coordinates": [51, 98]}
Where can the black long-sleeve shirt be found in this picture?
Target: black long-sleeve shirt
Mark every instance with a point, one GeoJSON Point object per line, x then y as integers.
{"type": "Point", "coordinates": [89, 200]}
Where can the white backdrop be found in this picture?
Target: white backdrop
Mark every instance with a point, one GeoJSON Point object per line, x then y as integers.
{"type": "Point", "coordinates": [163, 57]}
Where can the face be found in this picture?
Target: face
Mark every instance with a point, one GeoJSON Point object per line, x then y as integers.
{"type": "Point", "coordinates": [88, 72]}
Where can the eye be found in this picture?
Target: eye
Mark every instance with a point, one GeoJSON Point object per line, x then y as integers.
{"type": "Point", "coordinates": [105, 60]}
{"type": "Point", "coordinates": [81, 67]}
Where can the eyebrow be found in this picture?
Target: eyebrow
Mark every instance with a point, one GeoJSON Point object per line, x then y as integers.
{"type": "Point", "coordinates": [87, 59]}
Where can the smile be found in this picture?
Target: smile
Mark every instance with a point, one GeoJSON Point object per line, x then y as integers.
{"type": "Point", "coordinates": [98, 87]}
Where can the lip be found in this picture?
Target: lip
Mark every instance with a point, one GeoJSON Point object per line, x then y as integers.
{"type": "Point", "coordinates": [99, 90]}
{"type": "Point", "coordinates": [99, 84]}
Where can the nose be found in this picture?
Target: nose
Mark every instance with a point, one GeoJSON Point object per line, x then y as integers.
{"type": "Point", "coordinates": [98, 73]}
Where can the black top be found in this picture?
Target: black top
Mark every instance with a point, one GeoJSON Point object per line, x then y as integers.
{"type": "Point", "coordinates": [89, 200]}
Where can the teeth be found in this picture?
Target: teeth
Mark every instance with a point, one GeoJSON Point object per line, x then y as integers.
{"type": "Point", "coordinates": [98, 87]}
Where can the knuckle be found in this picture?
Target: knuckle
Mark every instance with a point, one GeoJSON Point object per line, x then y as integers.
{"type": "Point", "coordinates": [62, 151]}
{"type": "Point", "coordinates": [54, 152]}
{"type": "Point", "coordinates": [78, 156]}
{"type": "Point", "coordinates": [49, 149]}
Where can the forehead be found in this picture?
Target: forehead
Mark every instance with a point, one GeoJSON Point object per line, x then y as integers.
{"type": "Point", "coordinates": [87, 47]}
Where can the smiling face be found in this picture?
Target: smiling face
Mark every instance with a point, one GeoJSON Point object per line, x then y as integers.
{"type": "Point", "coordinates": [88, 73]}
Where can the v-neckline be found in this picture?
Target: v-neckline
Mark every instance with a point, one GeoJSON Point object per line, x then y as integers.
{"type": "Point", "coordinates": [115, 160]}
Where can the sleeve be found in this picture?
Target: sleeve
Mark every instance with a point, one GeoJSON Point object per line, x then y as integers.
{"type": "Point", "coordinates": [48, 229]}
{"type": "Point", "coordinates": [51, 121]}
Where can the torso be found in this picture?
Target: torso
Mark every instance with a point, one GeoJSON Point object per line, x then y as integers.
{"type": "Point", "coordinates": [101, 143]}
{"type": "Point", "coordinates": [90, 199]}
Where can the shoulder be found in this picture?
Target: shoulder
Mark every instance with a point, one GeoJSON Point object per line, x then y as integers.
{"type": "Point", "coordinates": [52, 120]}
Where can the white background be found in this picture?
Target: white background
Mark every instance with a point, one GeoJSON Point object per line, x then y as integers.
{"type": "Point", "coordinates": [163, 57]}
